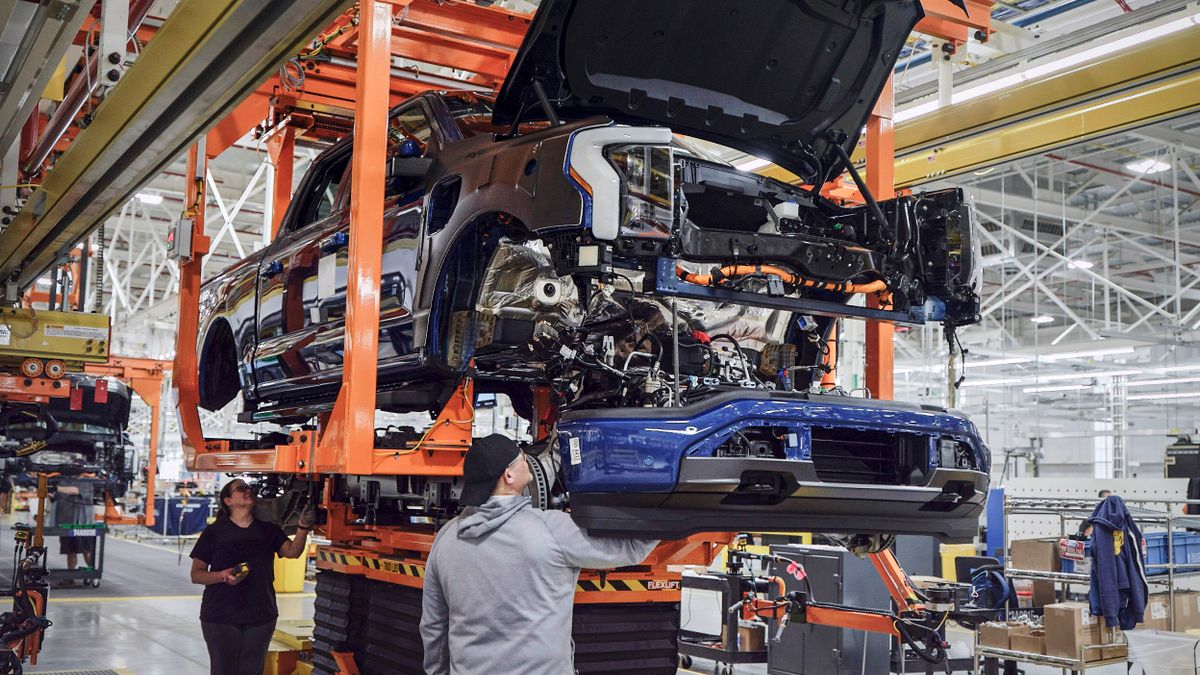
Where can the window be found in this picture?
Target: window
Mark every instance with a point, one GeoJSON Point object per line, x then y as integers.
{"type": "Point", "coordinates": [409, 138]}
{"type": "Point", "coordinates": [410, 123]}
{"type": "Point", "coordinates": [320, 195]}
{"type": "Point", "coordinates": [473, 115]}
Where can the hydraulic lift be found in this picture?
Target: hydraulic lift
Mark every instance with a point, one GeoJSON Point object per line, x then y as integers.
{"type": "Point", "coordinates": [370, 568]}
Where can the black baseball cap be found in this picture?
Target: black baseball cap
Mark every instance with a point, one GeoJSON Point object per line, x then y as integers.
{"type": "Point", "coordinates": [486, 461]}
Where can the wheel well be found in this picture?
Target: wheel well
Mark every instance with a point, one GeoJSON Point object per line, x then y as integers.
{"type": "Point", "coordinates": [461, 277]}
{"type": "Point", "coordinates": [218, 367]}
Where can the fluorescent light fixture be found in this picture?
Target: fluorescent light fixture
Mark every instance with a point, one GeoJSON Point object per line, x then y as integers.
{"type": "Point", "coordinates": [915, 111]}
{"type": "Point", "coordinates": [1162, 397]}
{"type": "Point", "coordinates": [1148, 166]}
{"type": "Point", "coordinates": [151, 198]}
{"type": "Point", "coordinates": [1089, 376]}
{"type": "Point", "coordinates": [1177, 369]}
{"type": "Point", "coordinates": [1164, 381]}
{"type": "Point", "coordinates": [1091, 353]}
{"type": "Point", "coordinates": [992, 383]}
{"type": "Point", "coordinates": [1056, 387]}
{"type": "Point", "coordinates": [1042, 319]}
{"type": "Point", "coordinates": [1058, 63]}
{"type": "Point", "coordinates": [43, 282]}
{"type": "Point", "coordinates": [1081, 264]}
{"type": "Point", "coordinates": [1008, 361]}
{"type": "Point", "coordinates": [751, 164]}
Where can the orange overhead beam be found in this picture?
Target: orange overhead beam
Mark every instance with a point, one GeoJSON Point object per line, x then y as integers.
{"type": "Point", "coordinates": [946, 21]}
{"type": "Point", "coordinates": [241, 119]}
{"type": "Point", "coordinates": [492, 25]}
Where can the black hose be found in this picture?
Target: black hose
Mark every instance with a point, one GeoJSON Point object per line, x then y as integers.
{"type": "Point", "coordinates": [872, 205]}
{"type": "Point", "coordinates": [935, 654]}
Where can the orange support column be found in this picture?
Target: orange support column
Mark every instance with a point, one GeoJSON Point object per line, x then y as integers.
{"type": "Point", "coordinates": [185, 378]}
{"type": "Point", "coordinates": [881, 153]}
{"type": "Point", "coordinates": [282, 149]}
{"type": "Point", "coordinates": [151, 395]}
{"type": "Point", "coordinates": [349, 440]}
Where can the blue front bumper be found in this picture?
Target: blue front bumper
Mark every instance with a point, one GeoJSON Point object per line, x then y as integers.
{"type": "Point", "coordinates": [654, 469]}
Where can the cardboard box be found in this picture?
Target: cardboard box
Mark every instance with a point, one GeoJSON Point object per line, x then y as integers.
{"type": "Point", "coordinates": [1070, 627]}
{"type": "Point", "coordinates": [1158, 617]}
{"type": "Point", "coordinates": [1158, 613]}
{"type": "Point", "coordinates": [1035, 554]}
{"type": "Point", "coordinates": [1033, 643]}
{"type": "Point", "coordinates": [1187, 610]}
{"type": "Point", "coordinates": [1000, 635]}
{"type": "Point", "coordinates": [1040, 555]}
{"type": "Point", "coordinates": [992, 634]}
{"type": "Point", "coordinates": [751, 637]}
{"type": "Point", "coordinates": [1115, 652]}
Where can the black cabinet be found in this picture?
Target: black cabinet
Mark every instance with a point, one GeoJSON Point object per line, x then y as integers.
{"type": "Point", "coordinates": [834, 575]}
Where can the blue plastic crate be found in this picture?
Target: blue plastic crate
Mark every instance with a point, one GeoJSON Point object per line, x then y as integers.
{"type": "Point", "coordinates": [1187, 551]}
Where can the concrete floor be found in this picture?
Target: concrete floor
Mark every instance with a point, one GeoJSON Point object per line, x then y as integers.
{"type": "Point", "coordinates": [143, 619]}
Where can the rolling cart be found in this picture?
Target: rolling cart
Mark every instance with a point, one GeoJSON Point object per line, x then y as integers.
{"type": "Point", "coordinates": [90, 576]}
{"type": "Point", "coordinates": [725, 649]}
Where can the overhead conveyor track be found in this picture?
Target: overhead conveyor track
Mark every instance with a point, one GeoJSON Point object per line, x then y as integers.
{"type": "Point", "coordinates": [1151, 82]}
{"type": "Point", "coordinates": [208, 56]}
{"type": "Point", "coordinates": [50, 28]}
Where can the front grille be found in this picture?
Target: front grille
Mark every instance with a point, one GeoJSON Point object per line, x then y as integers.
{"type": "Point", "coordinates": [868, 457]}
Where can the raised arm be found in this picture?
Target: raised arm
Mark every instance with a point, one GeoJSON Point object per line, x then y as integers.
{"type": "Point", "coordinates": [580, 549]}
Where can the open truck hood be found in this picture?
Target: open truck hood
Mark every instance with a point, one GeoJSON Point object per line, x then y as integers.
{"type": "Point", "coordinates": [772, 78]}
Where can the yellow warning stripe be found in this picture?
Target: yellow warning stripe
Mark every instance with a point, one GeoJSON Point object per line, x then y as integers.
{"type": "Point", "coordinates": [619, 585]}
{"type": "Point", "coordinates": [338, 558]}
{"type": "Point", "coordinates": [381, 564]}
{"type": "Point", "coordinates": [412, 570]}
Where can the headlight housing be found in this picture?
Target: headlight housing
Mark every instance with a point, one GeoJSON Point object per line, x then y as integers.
{"type": "Point", "coordinates": [647, 191]}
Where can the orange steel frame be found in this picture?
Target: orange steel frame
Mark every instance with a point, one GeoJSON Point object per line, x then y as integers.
{"type": "Point", "coordinates": [344, 441]}
{"type": "Point", "coordinates": [145, 378]}
{"type": "Point", "coordinates": [876, 621]}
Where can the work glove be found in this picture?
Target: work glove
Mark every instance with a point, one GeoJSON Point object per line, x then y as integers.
{"type": "Point", "coordinates": [307, 517]}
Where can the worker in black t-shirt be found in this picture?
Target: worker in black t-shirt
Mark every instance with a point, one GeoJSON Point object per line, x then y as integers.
{"type": "Point", "coordinates": [238, 611]}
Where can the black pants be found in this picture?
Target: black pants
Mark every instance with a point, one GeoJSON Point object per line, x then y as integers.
{"type": "Point", "coordinates": [237, 650]}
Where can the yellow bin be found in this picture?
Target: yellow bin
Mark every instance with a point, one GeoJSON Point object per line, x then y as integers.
{"type": "Point", "coordinates": [289, 574]}
{"type": "Point", "coordinates": [950, 553]}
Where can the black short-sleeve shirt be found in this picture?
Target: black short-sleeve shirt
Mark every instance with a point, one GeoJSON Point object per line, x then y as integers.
{"type": "Point", "coordinates": [223, 545]}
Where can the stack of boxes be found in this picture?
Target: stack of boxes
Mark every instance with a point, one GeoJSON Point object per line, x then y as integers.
{"type": "Point", "coordinates": [1068, 630]}
{"type": "Point", "coordinates": [1072, 632]}
{"type": "Point", "coordinates": [1007, 635]}
{"type": "Point", "coordinates": [1187, 611]}
{"type": "Point", "coordinates": [1040, 555]}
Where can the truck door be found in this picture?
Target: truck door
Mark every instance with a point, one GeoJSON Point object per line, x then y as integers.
{"type": "Point", "coordinates": [289, 276]}
{"type": "Point", "coordinates": [411, 148]}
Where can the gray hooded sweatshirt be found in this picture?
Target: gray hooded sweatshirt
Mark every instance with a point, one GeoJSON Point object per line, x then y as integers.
{"type": "Point", "coordinates": [500, 586]}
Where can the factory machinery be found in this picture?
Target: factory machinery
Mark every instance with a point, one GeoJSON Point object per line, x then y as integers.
{"type": "Point", "coordinates": [64, 406]}
{"type": "Point", "coordinates": [382, 493]}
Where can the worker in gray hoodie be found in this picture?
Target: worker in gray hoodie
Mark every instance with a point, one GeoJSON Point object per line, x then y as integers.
{"type": "Point", "coordinates": [500, 580]}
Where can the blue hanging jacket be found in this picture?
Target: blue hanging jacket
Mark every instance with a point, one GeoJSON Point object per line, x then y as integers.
{"type": "Point", "coordinates": [1118, 586]}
